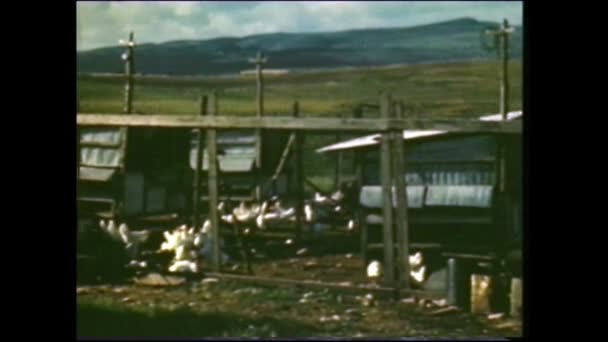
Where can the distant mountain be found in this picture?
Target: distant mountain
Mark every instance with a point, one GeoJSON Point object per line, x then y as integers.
{"type": "Point", "coordinates": [454, 40]}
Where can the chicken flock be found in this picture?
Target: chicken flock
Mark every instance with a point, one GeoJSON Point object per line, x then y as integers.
{"type": "Point", "coordinates": [191, 245]}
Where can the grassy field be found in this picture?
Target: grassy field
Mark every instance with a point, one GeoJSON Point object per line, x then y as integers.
{"type": "Point", "coordinates": [459, 89]}
{"type": "Point", "coordinates": [454, 90]}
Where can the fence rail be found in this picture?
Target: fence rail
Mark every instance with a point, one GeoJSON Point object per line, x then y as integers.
{"type": "Point", "coordinates": [297, 124]}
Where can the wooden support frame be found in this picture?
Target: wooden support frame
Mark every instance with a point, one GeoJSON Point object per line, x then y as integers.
{"type": "Point", "coordinates": [289, 123]}
{"type": "Point", "coordinates": [196, 195]}
{"type": "Point", "coordinates": [298, 174]}
{"type": "Point", "coordinates": [386, 181]}
{"type": "Point", "coordinates": [212, 173]}
{"type": "Point", "coordinates": [399, 170]}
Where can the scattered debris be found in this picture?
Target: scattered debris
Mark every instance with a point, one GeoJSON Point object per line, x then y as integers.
{"type": "Point", "coordinates": [311, 264]}
{"type": "Point", "coordinates": [410, 300]}
{"type": "Point", "coordinates": [119, 289]}
{"type": "Point", "coordinates": [127, 300]}
{"type": "Point", "coordinates": [209, 281]}
{"type": "Point", "coordinates": [495, 316]}
{"type": "Point", "coordinates": [155, 279]}
{"type": "Point", "coordinates": [82, 290]}
{"type": "Point", "coordinates": [369, 300]}
{"type": "Point", "coordinates": [446, 310]}
{"type": "Point", "coordinates": [349, 256]}
{"type": "Point", "coordinates": [440, 302]}
{"type": "Point", "coordinates": [334, 318]}
{"type": "Point", "coordinates": [508, 325]}
{"type": "Point", "coordinates": [289, 242]}
{"type": "Point", "coordinates": [346, 283]}
{"type": "Point", "coordinates": [302, 251]}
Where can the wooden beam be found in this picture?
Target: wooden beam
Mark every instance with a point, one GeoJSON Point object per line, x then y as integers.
{"type": "Point", "coordinates": [299, 124]}
{"type": "Point", "coordinates": [387, 206]}
{"type": "Point", "coordinates": [213, 185]}
{"type": "Point", "coordinates": [398, 155]}
{"type": "Point", "coordinates": [196, 191]}
{"type": "Point", "coordinates": [299, 174]}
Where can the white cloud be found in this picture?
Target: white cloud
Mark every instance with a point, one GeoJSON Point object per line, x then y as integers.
{"type": "Point", "coordinates": [103, 23]}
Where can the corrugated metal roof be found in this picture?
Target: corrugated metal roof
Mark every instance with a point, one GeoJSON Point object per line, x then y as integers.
{"type": "Point", "coordinates": [374, 139]}
{"type": "Point", "coordinates": [95, 174]}
{"type": "Point", "coordinates": [498, 117]}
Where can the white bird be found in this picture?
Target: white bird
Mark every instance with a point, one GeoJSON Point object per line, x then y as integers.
{"type": "Point", "coordinates": [337, 196]}
{"type": "Point", "coordinates": [184, 266]}
{"type": "Point", "coordinates": [374, 269]}
{"type": "Point", "coordinates": [309, 214]}
{"type": "Point", "coordinates": [132, 237]}
{"type": "Point", "coordinates": [112, 231]}
{"type": "Point", "coordinates": [351, 225]}
{"type": "Point", "coordinates": [321, 199]}
{"type": "Point", "coordinates": [206, 229]}
{"type": "Point", "coordinates": [419, 274]}
{"type": "Point", "coordinates": [244, 213]}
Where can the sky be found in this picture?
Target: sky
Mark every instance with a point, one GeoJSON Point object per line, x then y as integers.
{"type": "Point", "coordinates": [102, 24]}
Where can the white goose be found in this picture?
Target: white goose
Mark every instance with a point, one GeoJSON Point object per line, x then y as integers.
{"type": "Point", "coordinates": [184, 266]}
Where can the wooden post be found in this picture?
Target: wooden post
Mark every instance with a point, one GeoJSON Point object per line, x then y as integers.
{"type": "Point", "coordinates": [504, 87]}
{"type": "Point", "coordinates": [213, 184]}
{"type": "Point", "coordinates": [338, 171]}
{"type": "Point", "coordinates": [259, 60]}
{"type": "Point", "coordinates": [299, 175]}
{"type": "Point", "coordinates": [399, 171]}
{"type": "Point", "coordinates": [361, 214]}
{"type": "Point", "coordinates": [387, 201]}
{"type": "Point", "coordinates": [196, 191]}
{"type": "Point", "coordinates": [129, 59]}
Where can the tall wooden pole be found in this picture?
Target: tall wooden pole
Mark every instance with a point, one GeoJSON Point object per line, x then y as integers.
{"type": "Point", "coordinates": [399, 171]}
{"type": "Point", "coordinates": [504, 87]}
{"type": "Point", "coordinates": [129, 59]}
{"type": "Point", "coordinates": [196, 190]}
{"type": "Point", "coordinates": [339, 158]}
{"type": "Point", "coordinates": [361, 215]}
{"type": "Point", "coordinates": [387, 201]}
{"type": "Point", "coordinates": [259, 60]}
{"type": "Point", "coordinates": [212, 173]}
{"type": "Point", "coordinates": [299, 174]}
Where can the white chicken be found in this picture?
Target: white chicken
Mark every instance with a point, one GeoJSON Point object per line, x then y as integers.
{"type": "Point", "coordinates": [246, 214]}
{"type": "Point", "coordinates": [418, 275]}
{"type": "Point", "coordinates": [184, 266]}
{"type": "Point", "coordinates": [309, 214]}
{"type": "Point", "coordinates": [415, 260]}
{"type": "Point", "coordinates": [110, 229]}
{"type": "Point", "coordinates": [128, 236]}
{"type": "Point", "coordinates": [374, 269]}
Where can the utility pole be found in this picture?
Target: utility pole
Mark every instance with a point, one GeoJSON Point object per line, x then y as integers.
{"type": "Point", "coordinates": [501, 36]}
{"type": "Point", "coordinates": [259, 61]}
{"type": "Point", "coordinates": [128, 58]}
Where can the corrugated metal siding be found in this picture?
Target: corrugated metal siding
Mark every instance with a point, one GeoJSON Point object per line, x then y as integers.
{"type": "Point", "coordinates": [459, 196]}
{"type": "Point", "coordinates": [95, 174]}
{"type": "Point", "coordinates": [437, 174]}
{"type": "Point", "coordinates": [101, 156]}
{"type": "Point", "coordinates": [371, 196]}
{"type": "Point", "coordinates": [101, 135]}
{"type": "Point", "coordinates": [238, 152]}
{"type": "Point", "coordinates": [98, 156]}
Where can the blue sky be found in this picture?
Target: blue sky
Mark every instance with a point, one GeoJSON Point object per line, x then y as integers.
{"type": "Point", "coordinates": [104, 23]}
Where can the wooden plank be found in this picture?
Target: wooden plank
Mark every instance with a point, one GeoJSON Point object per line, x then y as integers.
{"type": "Point", "coordinates": [386, 291]}
{"type": "Point", "coordinates": [386, 179]}
{"type": "Point", "coordinates": [316, 124]}
{"type": "Point", "coordinates": [196, 191]}
{"type": "Point", "coordinates": [299, 174]}
{"type": "Point", "coordinates": [129, 71]}
{"type": "Point", "coordinates": [213, 184]}
{"type": "Point", "coordinates": [398, 155]}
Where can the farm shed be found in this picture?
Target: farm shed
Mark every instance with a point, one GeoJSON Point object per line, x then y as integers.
{"type": "Point", "coordinates": [132, 172]}
{"type": "Point", "coordinates": [461, 199]}
{"type": "Point", "coordinates": [236, 162]}
{"type": "Point", "coordinates": [140, 172]}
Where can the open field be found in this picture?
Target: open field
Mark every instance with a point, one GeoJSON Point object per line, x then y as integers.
{"type": "Point", "coordinates": [459, 89]}
{"type": "Point", "coordinates": [453, 90]}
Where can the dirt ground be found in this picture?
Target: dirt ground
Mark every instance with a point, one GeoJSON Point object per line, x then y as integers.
{"type": "Point", "coordinates": [195, 306]}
